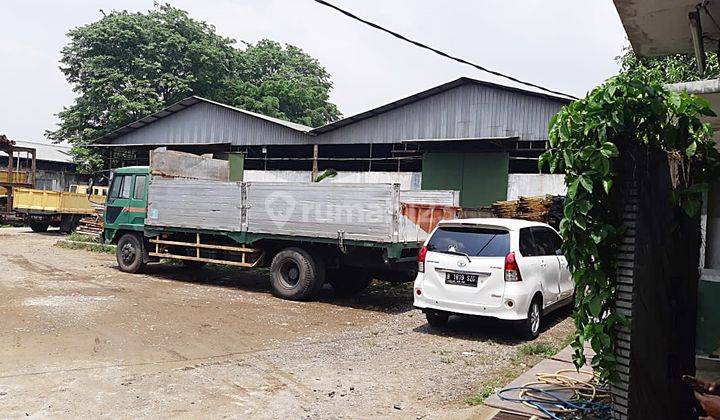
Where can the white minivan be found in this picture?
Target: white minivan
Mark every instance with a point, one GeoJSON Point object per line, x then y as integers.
{"type": "Point", "coordinates": [501, 268]}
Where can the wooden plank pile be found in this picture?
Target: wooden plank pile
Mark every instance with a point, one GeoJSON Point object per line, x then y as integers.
{"type": "Point", "coordinates": [92, 225]}
{"type": "Point", "coordinates": [544, 208]}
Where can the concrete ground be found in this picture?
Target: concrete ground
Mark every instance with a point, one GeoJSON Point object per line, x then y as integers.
{"type": "Point", "coordinates": [80, 338]}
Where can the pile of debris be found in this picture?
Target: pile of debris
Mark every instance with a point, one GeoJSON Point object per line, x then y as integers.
{"type": "Point", "coordinates": [544, 208]}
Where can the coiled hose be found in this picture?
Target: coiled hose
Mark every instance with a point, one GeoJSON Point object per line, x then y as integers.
{"type": "Point", "coordinates": [560, 396]}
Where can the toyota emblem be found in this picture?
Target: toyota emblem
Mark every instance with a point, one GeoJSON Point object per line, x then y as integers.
{"type": "Point", "coordinates": [461, 263]}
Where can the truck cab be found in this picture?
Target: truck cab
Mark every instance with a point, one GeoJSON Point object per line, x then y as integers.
{"type": "Point", "coordinates": [126, 202]}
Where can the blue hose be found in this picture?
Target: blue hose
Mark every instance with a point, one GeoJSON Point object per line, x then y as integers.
{"type": "Point", "coordinates": [582, 408]}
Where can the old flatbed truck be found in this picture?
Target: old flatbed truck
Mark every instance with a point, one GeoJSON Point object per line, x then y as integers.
{"type": "Point", "coordinates": [40, 209]}
{"type": "Point", "coordinates": [184, 207]}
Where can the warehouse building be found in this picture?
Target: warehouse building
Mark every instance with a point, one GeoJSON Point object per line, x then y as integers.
{"type": "Point", "coordinates": [474, 136]}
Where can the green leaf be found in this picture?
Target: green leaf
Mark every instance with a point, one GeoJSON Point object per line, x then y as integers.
{"type": "Point", "coordinates": [692, 206]}
{"type": "Point", "coordinates": [595, 305]}
{"type": "Point", "coordinates": [572, 188]}
{"type": "Point", "coordinates": [605, 340]}
{"type": "Point", "coordinates": [690, 151]}
{"type": "Point", "coordinates": [580, 222]}
{"type": "Point", "coordinates": [609, 150]}
{"type": "Point", "coordinates": [607, 185]}
{"type": "Point", "coordinates": [586, 183]}
{"type": "Point", "coordinates": [543, 161]}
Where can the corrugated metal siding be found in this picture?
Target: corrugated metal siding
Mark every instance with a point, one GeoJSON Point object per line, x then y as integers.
{"type": "Point", "coordinates": [438, 197]}
{"type": "Point", "coordinates": [205, 123]}
{"type": "Point", "coordinates": [366, 212]}
{"type": "Point", "coordinates": [467, 111]}
{"type": "Point", "coordinates": [193, 203]}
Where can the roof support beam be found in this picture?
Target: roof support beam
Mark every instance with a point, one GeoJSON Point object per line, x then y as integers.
{"type": "Point", "coordinates": [697, 40]}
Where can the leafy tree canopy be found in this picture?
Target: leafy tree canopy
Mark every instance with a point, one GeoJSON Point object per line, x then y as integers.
{"type": "Point", "coordinates": [667, 69]}
{"type": "Point", "coordinates": [128, 65]}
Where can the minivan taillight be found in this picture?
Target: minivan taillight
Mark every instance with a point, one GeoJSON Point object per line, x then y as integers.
{"type": "Point", "coordinates": [421, 259]}
{"type": "Point", "coordinates": [512, 271]}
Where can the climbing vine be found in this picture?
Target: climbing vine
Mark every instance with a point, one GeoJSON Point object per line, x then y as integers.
{"type": "Point", "coordinates": [584, 138]}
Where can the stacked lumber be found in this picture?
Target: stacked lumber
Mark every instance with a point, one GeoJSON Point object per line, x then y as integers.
{"type": "Point", "coordinates": [92, 225]}
{"type": "Point", "coordinates": [504, 209]}
{"type": "Point", "coordinates": [545, 208]}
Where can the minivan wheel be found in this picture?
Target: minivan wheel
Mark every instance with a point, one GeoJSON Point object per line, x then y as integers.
{"type": "Point", "coordinates": [437, 319]}
{"type": "Point", "coordinates": [129, 254]}
{"type": "Point", "coordinates": [531, 326]}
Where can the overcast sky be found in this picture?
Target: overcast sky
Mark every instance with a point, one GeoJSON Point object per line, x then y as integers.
{"type": "Point", "coordinates": [566, 45]}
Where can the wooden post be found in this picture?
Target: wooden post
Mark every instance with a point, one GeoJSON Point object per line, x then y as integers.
{"type": "Point", "coordinates": [657, 290]}
{"type": "Point", "coordinates": [11, 179]}
{"type": "Point", "coordinates": [314, 174]}
{"type": "Point", "coordinates": [370, 161]}
{"type": "Point", "coordinates": [33, 169]}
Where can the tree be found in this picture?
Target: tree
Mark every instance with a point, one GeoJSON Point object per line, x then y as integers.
{"type": "Point", "coordinates": [284, 83]}
{"type": "Point", "coordinates": [668, 69]}
{"type": "Point", "coordinates": [128, 65]}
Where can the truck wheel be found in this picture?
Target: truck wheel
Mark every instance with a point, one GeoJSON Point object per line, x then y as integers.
{"type": "Point", "coordinates": [293, 274]}
{"type": "Point", "coordinates": [68, 223]}
{"type": "Point", "coordinates": [38, 226]}
{"type": "Point", "coordinates": [350, 281]}
{"type": "Point", "coordinates": [129, 254]}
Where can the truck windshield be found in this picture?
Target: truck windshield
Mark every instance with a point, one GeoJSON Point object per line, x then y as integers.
{"type": "Point", "coordinates": [476, 242]}
{"type": "Point", "coordinates": [117, 186]}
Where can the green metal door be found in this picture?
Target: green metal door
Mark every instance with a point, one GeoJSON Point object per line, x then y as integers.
{"type": "Point", "coordinates": [481, 178]}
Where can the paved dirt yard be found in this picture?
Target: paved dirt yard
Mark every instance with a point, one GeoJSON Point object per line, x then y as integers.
{"type": "Point", "coordinates": [80, 338]}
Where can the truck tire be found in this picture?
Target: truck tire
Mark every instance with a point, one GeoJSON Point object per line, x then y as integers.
{"type": "Point", "coordinates": [68, 223]}
{"type": "Point", "coordinates": [38, 226]}
{"type": "Point", "coordinates": [350, 281]}
{"type": "Point", "coordinates": [129, 254]}
{"type": "Point", "coordinates": [294, 274]}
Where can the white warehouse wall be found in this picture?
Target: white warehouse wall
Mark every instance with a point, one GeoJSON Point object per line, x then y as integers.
{"type": "Point", "coordinates": [535, 184]}
{"type": "Point", "coordinates": [518, 184]}
{"type": "Point", "coordinates": [407, 180]}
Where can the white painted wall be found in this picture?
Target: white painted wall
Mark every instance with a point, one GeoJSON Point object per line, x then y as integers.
{"type": "Point", "coordinates": [535, 184]}
{"type": "Point", "coordinates": [407, 180]}
{"type": "Point", "coordinates": [518, 184]}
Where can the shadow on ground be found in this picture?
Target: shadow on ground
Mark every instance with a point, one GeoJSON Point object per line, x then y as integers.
{"type": "Point", "coordinates": [392, 298]}
{"type": "Point", "coordinates": [477, 328]}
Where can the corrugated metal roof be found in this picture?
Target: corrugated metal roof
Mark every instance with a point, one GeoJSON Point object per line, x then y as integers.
{"type": "Point", "coordinates": [48, 152]}
{"type": "Point", "coordinates": [186, 103]}
{"type": "Point", "coordinates": [427, 93]}
{"type": "Point", "coordinates": [462, 108]}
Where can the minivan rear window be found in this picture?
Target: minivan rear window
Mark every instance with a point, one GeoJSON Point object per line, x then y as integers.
{"type": "Point", "coordinates": [476, 242]}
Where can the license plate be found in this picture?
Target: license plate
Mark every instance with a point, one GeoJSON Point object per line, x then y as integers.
{"type": "Point", "coordinates": [461, 279]}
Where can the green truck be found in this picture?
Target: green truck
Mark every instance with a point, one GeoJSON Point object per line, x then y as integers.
{"type": "Point", "coordinates": [308, 234]}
